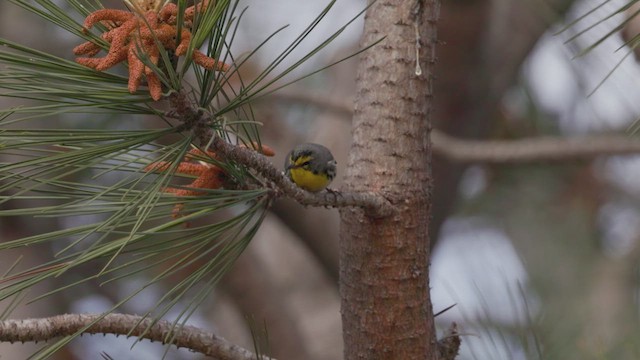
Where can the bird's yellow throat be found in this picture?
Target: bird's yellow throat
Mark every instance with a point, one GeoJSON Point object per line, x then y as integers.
{"type": "Point", "coordinates": [305, 178]}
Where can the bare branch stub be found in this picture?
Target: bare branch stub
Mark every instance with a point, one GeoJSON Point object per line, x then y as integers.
{"type": "Point", "coordinates": [449, 345]}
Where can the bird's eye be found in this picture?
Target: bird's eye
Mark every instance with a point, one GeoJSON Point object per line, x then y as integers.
{"type": "Point", "coordinates": [305, 164]}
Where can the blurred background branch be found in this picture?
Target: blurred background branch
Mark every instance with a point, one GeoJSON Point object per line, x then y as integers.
{"type": "Point", "coordinates": [517, 151]}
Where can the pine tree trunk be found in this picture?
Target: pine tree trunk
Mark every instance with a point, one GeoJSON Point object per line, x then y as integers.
{"type": "Point", "coordinates": [384, 284]}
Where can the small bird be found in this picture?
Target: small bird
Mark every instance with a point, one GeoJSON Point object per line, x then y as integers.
{"type": "Point", "coordinates": [310, 166]}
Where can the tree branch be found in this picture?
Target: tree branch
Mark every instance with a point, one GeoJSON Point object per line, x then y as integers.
{"type": "Point", "coordinates": [343, 108]}
{"type": "Point", "coordinates": [533, 150]}
{"type": "Point", "coordinates": [190, 337]}
{"type": "Point", "coordinates": [197, 121]}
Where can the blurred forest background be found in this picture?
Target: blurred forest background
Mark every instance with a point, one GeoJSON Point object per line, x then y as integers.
{"type": "Point", "coordinates": [539, 258]}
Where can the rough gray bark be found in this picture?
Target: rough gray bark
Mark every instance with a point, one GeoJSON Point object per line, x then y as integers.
{"type": "Point", "coordinates": [386, 308]}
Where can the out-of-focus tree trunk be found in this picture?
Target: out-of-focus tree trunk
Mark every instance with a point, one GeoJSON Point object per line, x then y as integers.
{"type": "Point", "coordinates": [255, 293]}
{"type": "Point", "coordinates": [484, 45]}
{"type": "Point", "coordinates": [386, 308]}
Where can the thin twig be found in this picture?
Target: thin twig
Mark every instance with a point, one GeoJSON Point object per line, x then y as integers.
{"type": "Point", "coordinates": [190, 337]}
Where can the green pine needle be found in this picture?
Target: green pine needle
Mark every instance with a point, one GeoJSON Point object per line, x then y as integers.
{"type": "Point", "coordinates": [74, 148]}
